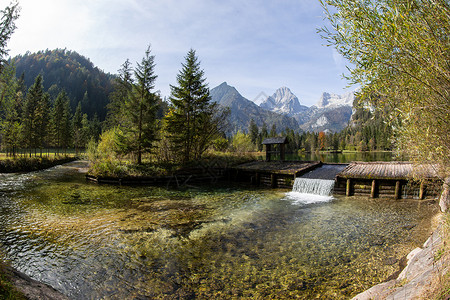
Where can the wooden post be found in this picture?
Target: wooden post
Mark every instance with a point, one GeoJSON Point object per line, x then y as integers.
{"type": "Point", "coordinates": [397, 190]}
{"type": "Point", "coordinates": [268, 151]}
{"type": "Point", "coordinates": [422, 191]}
{"type": "Point", "coordinates": [282, 152]}
{"type": "Point", "coordinates": [373, 191]}
{"type": "Point", "coordinates": [347, 190]}
{"type": "Point", "coordinates": [273, 180]}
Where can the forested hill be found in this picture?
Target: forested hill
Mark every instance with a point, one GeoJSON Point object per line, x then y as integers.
{"type": "Point", "coordinates": [68, 70]}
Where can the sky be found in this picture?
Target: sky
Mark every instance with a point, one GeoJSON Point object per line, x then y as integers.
{"type": "Point", "coordinates": [255, 46]}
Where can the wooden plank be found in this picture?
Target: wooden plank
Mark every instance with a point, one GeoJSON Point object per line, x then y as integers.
{"type": "Point", "coordinates": [374, 186]}
{"type": "Point", "coordinates": [348, 188]}
{"type": "Point", "coordinates": [397, 190]}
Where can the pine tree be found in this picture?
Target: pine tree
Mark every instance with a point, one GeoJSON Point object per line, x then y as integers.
{"type": "Point", "coordinates": [11, 109]}
{"type": "Point", "coordinates": [253, 131]}
{"type": "Point", "coordinates": [141, 108]}
{"type": "Point", "coordinates": [61, 121]}
{"type": "Point", "coordinates": [77, 127]}
{"type": "Point", "coordinates": [42, 121]}
{"type": "Point", "coordinates": [193, 121]}
{"type": "Point", "coordinates": [31, 115]}
{"type": "Point", "coordinates": [119, 97]}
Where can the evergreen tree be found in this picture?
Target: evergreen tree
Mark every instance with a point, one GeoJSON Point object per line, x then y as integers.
{"type": "Point", "coordinates": [42, 122]}
{"type": "Point", "coordinates": [193, 121]}
{"type": "Point", "coordinates": [253, 131]}
{"type": "Point", "coordinates": [119, 97]}
{"type": "Point", "coordinates": [11, 110]}
{"type": "Point", "coordinates": [273, 130]}
{"type": "Point", "coordinates": [141, 108]}
{"type": "Point", "coordinates": [31, 114]}
{"type": "Point", "coordinates": [77, 126]}
{"type": "Point", "coordinates": [61, 121]}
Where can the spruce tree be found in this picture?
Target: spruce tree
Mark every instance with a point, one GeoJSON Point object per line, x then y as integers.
{"type": "Point", "coordinates": [77, 126]}
{"type": "Point", "coordinates": [141, 107]}
{"type": "Point", "coordinates": [116, 115]}
{"type": "Point", "coordinates": [11, 110]}
{"type": "Point", "coordinates": [61, 121]}
{"type": "Point", "coordinates": [31, 115]}
{"type": "Point", "coordinates": [42, 120]}
{"type": "Point", "coordinates": [193, 121]}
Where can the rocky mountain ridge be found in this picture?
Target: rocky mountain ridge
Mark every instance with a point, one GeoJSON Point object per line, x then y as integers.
{"type": "Point", "coordinates": [331, 113]}
{"type": "Point", "coordinates": [242, 111]}
{"type": "Point", "coordinates": [284, 110]}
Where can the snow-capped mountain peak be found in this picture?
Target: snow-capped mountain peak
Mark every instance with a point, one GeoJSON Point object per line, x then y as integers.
{"type": "Point", "coordinates": [283, 101]}
{"type": "Point", "coordinates": [328, 100]}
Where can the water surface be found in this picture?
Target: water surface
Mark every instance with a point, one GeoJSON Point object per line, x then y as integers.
{"type": "Point", "coordinates": [108, 242]}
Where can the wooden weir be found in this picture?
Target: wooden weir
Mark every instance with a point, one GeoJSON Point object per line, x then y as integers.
{"type": "Point", "coordinates": [388, 180]}
{"type": "Point", "coordinates": [276, 174]}
{"type": "Point", "coordinates": [393, 180]}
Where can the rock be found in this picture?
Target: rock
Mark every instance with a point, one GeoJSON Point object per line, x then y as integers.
{"type": "Point", "coordinates": [444, 201]}
{"type": "Point", "coordinates": [415, 280]}
{"type": "Point", "coordinates": [32, 289]}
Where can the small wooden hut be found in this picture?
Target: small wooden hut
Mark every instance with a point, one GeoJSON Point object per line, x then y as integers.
{"type": "Point", "coordinates": [275, 145]}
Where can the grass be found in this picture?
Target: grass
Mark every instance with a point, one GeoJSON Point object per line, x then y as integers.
{"type": "Point", "coordinates": [127, 168]}
{"type": "Point", "coordinates": [7, 289]}
{"type": "Point", "coordinates": [34, 163]}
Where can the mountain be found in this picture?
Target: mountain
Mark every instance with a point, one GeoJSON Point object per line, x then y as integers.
{"type": "Point", "coordinates": [327, 120]}
{"type": "Point", "coordinates": [328, 100]}
{"type": "Point", "coordinates": [243, 110]}
{"type": "Point", "coordinates": [68, 70]}
{"type": "Point", "coordinates": [331, 114]}
{"type": "Point", "coordinates": [283, 101]}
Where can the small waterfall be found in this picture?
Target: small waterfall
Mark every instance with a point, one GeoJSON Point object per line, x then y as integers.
{"type": "Point", "coordinates": [320, 187]}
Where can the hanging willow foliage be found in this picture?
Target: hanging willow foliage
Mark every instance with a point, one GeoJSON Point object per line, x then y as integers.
{"type": "Point", "coordinates": [399, 52]}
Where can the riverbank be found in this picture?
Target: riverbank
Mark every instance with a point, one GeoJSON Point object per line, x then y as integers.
{"type": "Point", "coordinates": [426, 274]}
{"type": "Point", "coordinates": [30, 164]}
{"type": "Point", "coordinates": [16, 285]}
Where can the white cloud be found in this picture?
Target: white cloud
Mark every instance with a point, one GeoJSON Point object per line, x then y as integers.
{"type": "Point", "coordinates": [255, 44]}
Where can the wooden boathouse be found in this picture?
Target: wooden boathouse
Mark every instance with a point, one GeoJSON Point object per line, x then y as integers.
{"type": "Point", "coordinates": [388, 180]}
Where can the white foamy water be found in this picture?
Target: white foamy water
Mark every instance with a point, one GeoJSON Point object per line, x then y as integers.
{"type": "Point", "coordinates": [306, 191]}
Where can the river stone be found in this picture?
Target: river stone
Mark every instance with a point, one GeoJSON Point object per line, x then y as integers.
{"type": "Point", "coordinates": [416, 278]}
{"type": "Point", "coordinates": [444, 201]}
{"type": "Point", "coordinates": [32, 289]}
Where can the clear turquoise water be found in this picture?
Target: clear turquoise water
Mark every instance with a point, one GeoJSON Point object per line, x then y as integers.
{"type": "Point", "coordinates": [216, 242]}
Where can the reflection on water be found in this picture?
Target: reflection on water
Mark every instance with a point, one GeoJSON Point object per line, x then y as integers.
{"type": "Point", "coordinates": [91, 241]}
{"type": "Point", "coordinates": [345, 157]}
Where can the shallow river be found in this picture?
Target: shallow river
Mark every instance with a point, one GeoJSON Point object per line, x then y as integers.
{"type": "Point", "coordinates": [221, 242]}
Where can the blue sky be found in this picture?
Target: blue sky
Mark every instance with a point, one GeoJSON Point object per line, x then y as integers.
{"type": "Point", "coordinates": [255, 46]}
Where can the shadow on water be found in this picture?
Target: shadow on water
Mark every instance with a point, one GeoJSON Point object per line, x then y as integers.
{"type": "Point", "coordinates": [92, 241]}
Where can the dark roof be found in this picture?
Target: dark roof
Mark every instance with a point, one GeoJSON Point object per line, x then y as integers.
{"type": "Point", "coordinates": [388, 170]}
{"type": "Point", "coordinates": [275, 140]}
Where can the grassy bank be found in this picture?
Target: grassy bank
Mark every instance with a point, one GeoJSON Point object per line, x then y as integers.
{"type": "Point", "coordinates": [28, 164]}
{"type": "Point", "coordinates": [7, 290]}
{"type": "Point", "coordinates": [127, 168]}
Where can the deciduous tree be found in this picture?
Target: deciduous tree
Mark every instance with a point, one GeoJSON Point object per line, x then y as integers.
{"type": "Point", "coordinates": [399, 54]}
